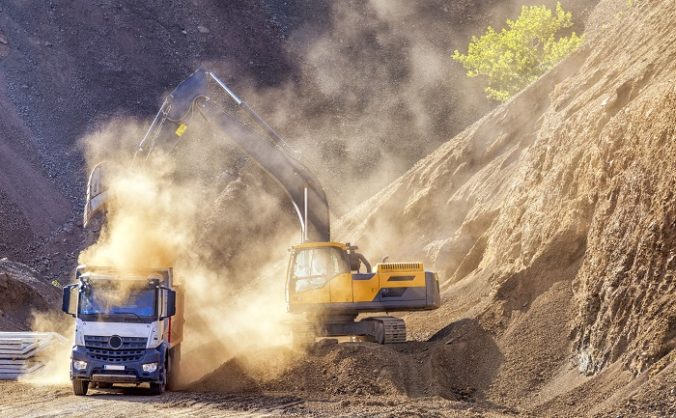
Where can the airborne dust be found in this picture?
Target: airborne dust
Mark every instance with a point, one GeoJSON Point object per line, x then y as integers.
{"type": "Point", "coordinates": [204, 208]}
{"type": "Point", "coordinates": [171, 209]}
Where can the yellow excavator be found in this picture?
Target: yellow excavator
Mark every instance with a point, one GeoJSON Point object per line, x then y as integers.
{"type": "Point", "coordinates": [324, 280]}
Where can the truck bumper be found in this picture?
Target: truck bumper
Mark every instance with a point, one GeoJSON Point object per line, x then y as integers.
{"type": "Point", "coordinates": [114, 378]}
{"type": "Point", "coordinates": [98, 370]}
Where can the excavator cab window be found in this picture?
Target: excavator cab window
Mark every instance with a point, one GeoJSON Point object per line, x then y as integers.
{"type": "Point", "coordinates": [312, 268]}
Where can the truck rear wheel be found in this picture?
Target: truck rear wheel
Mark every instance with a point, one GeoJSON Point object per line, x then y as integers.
{"type": "Point", "coordinates": [173, 368]}
{"type": "Point", "coordinates": [80, 387]}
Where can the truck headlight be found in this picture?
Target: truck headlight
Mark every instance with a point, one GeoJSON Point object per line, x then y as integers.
{"type": "Point", "coordinates": [149, 367]}
{"type": "Point", "coordinates": [79, 364]}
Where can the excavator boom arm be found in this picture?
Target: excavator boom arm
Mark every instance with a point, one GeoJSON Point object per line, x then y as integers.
{"type": "Point", "coordinates": [269, 150]}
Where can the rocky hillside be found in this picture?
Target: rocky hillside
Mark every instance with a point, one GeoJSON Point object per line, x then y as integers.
{"type": "Point", "coordinates": [66, 67]}
{"type": "Point", "coordinates": [552, 219]}
{"type": "Point", "coordinates": [22, 295]}
{"type": "Point", "coordinates": [324, 73]}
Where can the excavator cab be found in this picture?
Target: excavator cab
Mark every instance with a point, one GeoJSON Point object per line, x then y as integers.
{"type": "Point", "coordinates": [314, 267]}
{"type": "Point", "coordinates": [318, 273]}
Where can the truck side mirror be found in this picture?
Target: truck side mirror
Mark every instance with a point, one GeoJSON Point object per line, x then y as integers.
{"type": "Point", "coordinates": [171, 303]}
{"type": "Point", "coordinates": [69, 304]}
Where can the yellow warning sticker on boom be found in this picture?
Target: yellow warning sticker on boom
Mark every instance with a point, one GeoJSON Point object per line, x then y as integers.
{"type": "Point", "coordinates": [181, 129]}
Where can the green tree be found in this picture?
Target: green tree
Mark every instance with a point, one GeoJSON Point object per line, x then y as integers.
{"type": "Point", "coordinates": [521, 52]}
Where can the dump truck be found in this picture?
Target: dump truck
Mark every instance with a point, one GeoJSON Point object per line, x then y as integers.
{"type": "Point", "coordinates": [128, 328]}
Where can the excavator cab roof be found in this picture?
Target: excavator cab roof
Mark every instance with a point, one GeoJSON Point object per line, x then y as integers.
{"type": "Point", "coordinates": [306, 245]}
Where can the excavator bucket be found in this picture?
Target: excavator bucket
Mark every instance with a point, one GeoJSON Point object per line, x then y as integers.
{"type": "Point", "coordinates": [96, 194]}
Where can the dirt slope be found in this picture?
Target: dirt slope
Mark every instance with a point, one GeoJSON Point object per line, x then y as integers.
{"type": "Point", "coordinates": [551, 222]}
{"type": "Point", "coordinates": [552, 218]}
{"type": "Point", "coordinates": [23, 293]}
{"type": "Point", "coordinates": [452, 365]}
{"type": "Point", "coordinates": [67, 66]}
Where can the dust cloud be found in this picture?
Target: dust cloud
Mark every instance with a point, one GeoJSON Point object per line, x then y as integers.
{"type": "Point", "coordinates": [376, 89]}
{"type": "Point", "coordinates": [190, 207]}
{"type": "Point", "coordinates": [377, 93]}
{"type": "Point", "coordinates": [56, 356]}
{"type": "Point", "coordinates": [204, 208]}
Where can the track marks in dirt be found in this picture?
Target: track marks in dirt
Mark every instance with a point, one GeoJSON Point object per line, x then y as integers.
{"type": "Point", "coordinates": [20, 400]}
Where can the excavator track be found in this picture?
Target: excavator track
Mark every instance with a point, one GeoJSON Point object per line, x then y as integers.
{"type": "Point", "coordinates": [389, 330]}
{"type": "Point", "coordinates": [303, 333]}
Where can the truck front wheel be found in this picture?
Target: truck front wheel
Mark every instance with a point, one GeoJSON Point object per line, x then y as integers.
{"type": "Point", "coordinates": [158, 388]}
{"type": "Point", "coordinates": [80, 387]}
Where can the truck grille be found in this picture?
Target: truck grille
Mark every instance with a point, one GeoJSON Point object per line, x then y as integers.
{"type": "Point", "coordinates": [132, 348]}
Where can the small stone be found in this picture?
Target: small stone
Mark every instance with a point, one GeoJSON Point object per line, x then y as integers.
{"type": "Point", "coordinates": [202, 29]}
{"type": "Point", "coordinates": [327, 342]}
{"type": "Point", "coordinates": [185, 32]}
{"type": "Point", "coordinates": [3, 39]}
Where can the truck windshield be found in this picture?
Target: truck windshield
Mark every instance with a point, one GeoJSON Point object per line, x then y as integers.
{"type": "Point", "coordinates": [107, 300]}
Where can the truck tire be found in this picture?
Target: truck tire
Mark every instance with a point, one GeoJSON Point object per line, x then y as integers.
{"type": "Point", "coordinates": [80, 387]}
{"type": "Point", "coordinates": [158, 388]}
{"type": "Point", "coordinates": [173, 369]}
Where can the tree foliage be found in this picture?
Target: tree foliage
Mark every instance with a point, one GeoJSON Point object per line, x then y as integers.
{"type": "Point", "coordinates": [521, 52]}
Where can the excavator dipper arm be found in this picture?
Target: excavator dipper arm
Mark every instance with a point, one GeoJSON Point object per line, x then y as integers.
{"type": "Point", "coordinates": [263, 145]}
{"type": "Point", "coordinates": [302, 187]}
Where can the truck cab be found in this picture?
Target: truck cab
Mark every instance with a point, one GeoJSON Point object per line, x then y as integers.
{"type": "Point", "coordinates": [127, 327]}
